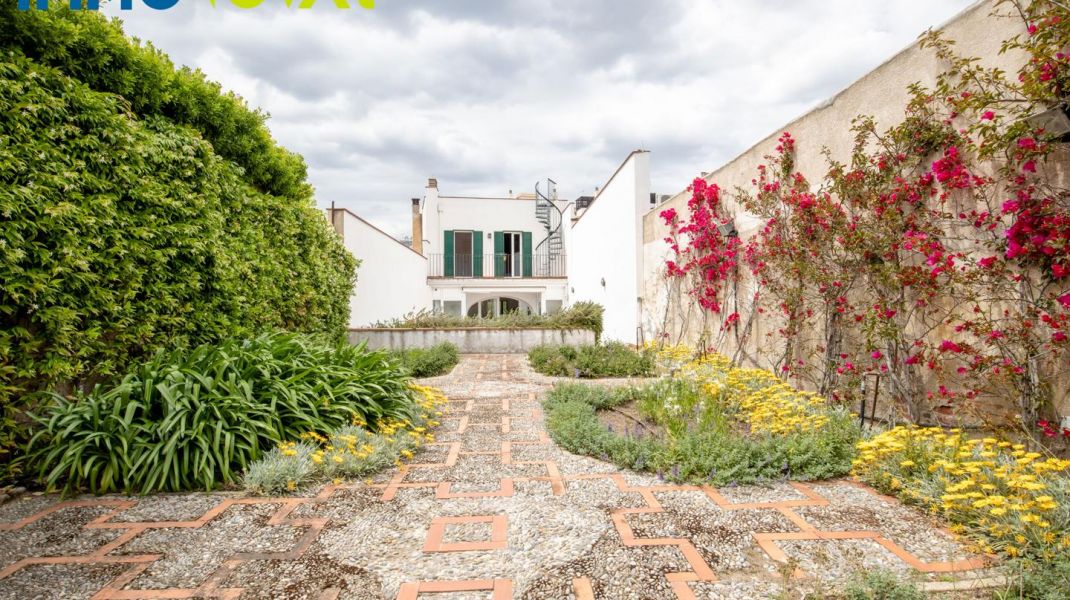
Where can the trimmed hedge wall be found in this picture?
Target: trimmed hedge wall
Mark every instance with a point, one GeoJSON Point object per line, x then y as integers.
{"type": "Point", "coordinates": [159, 218]}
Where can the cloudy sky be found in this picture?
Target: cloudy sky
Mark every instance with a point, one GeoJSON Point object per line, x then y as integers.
{"type": "Point", "coordinates": [493, 95]}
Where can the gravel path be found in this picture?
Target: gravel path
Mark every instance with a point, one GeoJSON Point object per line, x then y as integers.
{"type": "Point", "coordinates": [492, 509]}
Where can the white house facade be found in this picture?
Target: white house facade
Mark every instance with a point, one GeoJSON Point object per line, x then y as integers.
{"type": "Point", "coordinates": [489, 256]}
{"type": "Point", "coordinates": [533, 253]}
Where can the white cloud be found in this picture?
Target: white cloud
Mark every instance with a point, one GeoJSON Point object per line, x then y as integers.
{"type": "Point", "coordinates": [495, 95]}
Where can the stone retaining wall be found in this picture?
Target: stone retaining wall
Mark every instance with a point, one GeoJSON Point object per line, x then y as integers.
{"type": "Point", "coordinates": [471, 340]}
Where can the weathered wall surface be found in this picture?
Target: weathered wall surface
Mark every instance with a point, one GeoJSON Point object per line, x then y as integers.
{"type": "Point", "coordinates": [883, 94]}
{"type": "Point", "coordinates": [471, 340]}
{"type": "Point", "coordinates": [605, 261]}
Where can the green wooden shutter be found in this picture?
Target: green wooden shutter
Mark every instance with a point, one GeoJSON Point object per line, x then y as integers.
{"type": "Point", "coordinates": [499, 254]}
{"type": "Point", "coordinates": [447, 254]}
{"type": "Point", "coordinates": [477, 253]}
{"type": "Point", "coordinates": [526, 245]}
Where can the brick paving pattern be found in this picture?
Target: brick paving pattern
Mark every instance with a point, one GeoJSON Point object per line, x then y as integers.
{"type": "Point", "coordinates": [492, 509]}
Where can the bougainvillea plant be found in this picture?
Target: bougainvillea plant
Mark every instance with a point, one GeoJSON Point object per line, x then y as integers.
{"type": "Point", "coordinates": [936, 260]}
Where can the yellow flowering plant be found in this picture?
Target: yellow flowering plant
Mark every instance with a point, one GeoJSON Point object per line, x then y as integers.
{"type": "Point", "coordinates": [757, 398]}
{"type": "Point", "coordinates": [714, 423]}
{"type": "Point", "coordinates": [1004, 498]}
{"type": "Point", "coordinates": [349, 451]}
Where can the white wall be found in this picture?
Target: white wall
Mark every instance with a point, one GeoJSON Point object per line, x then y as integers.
{"type": "Point", "coordinates": [391, 279]}
{"type": "Point", "coordinates": [482, 214]}
{"type": "Point", "coordinates": [606, 244]}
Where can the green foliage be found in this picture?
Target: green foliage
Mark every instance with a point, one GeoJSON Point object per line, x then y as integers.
{"type": "Point", "coordinates": [605, 360]}
{"type": "Point", "coordinates": [1047, 580]}
{"type": "Point", "coordinates": [428, 362]}
{"type": "Point", "coordinates": [89, 48]}
{"type": "Point", "coordinates": [163, 217]}
{"type": "Point", "coordinates": [194, 419]}
{"type": "Point", "coordinates": [713, 452]}
{"type": "Point", "coordinates": [881, 585]}
{"type": "Point", "coordinates": [581, 315]}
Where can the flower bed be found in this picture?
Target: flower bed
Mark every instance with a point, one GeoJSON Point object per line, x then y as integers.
{"type": "Point", "coordinates": [195, 419]}
{"type": "Point", "coordinates": [707, 422]}
{"type": "Point", "coordinates": [1007, 500]}
{"type": "Point", "coordinates": [350, 451]}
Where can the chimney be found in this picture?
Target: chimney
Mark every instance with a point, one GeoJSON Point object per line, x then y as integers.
{"type": "Point", "coordinates": [417, 226]}
{"type": "Point", "coordinates": [337, 220]}
{"type": "Point", "coordinates": [432, 183]}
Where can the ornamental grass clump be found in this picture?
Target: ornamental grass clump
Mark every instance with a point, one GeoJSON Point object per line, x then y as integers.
{"type": "Point", "coordinates": [1004, 498]}
{"type": "Point", "coordinates": [347, 452]}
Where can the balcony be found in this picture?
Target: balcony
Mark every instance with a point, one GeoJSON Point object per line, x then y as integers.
{"type": "Point", "coordinates": [496, 266]}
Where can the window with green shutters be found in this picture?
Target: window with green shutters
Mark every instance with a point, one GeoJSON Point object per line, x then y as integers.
{"type": "Point", "coordinates": [499, 254]}
{"type": "Point", "coordinates": [447, 254]}
{"type": "Point", "coordinates": [477, 254]}
{"type": "Point", "coordinates": [526, 236]}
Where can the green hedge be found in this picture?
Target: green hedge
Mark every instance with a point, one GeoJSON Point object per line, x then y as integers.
{"type": "Point", "coordinates": [601, 360]}
{"type": "Point", "coordinates": [90, 48]}
{"type": "Point", "coordinates": [195, 419]}
{"type": "Point", "coordinates": [126, 231]}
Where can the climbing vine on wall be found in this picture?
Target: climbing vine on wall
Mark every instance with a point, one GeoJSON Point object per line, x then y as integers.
{"type": "Point", "coordinates": [937, 257]}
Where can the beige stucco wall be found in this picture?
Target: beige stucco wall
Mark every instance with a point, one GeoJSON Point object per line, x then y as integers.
{"type": "Point", "coordinates": [883, 94]}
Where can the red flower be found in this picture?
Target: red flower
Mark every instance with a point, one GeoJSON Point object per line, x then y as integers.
{"type": "Point", "coordinates": [1030, 166]}
{"type": "Point", "coordinates": [949, 346]}
{"type": "Point", "coordinates": [1064, 300]}
{"type": "Point", "coordinates": [877, 355]}
{"type": "Point", "coordinates": [988, 115]}
{"type": "Point", "coordinates": [987, 262]}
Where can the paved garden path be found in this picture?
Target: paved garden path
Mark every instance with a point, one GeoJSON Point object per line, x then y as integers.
{"type": "Point", "coordinates": [492, 509]}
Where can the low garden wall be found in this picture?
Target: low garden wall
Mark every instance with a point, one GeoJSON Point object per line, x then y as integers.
{"type": "Point", "coordinates": [470, 340]}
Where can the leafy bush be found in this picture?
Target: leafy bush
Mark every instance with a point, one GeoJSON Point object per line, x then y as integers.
{"type": "Point", "coordinates": [881, 585]}
{"type": "Point", "coordinates": [143, 209]}
{"type": "Point", "coordinates": [581, 315]}
{"type": "Point", "coordinates": [195, 419]}
{"type": "Point", "coordinates": [708, 449]}
{"type": "Point", "coordinates": [94, 50]}
{"type": "Point", "coordinates": [1048, 580]}
{"type": "Point", "coordinates": [350, 451]}
{"type": "Point", "coordinates": [428, 362]}
{"type": "Point", "coordinates": [605, 360]}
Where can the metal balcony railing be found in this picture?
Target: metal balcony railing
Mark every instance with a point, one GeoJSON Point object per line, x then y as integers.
{"type": "Point", "coordinates": [496, 266]}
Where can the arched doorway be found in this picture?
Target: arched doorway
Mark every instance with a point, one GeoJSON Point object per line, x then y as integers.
{"type": "Point", "coordinates": [493, 307]}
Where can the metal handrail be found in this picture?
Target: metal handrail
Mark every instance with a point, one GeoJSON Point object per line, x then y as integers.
{"type": "Point", "coordinates": [497, 265]}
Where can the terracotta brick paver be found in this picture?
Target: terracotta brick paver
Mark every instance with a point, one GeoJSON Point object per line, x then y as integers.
{"type": "Point", "coordinates": [492, 509]}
